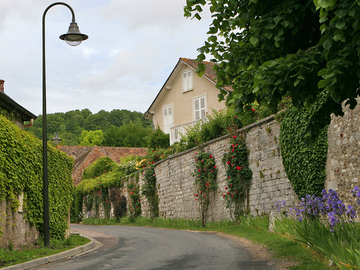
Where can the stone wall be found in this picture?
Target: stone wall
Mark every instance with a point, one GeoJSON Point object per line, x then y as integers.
{"type": "Point", "coordinates": [15, 229]}
{"type": "Point", "coordinates": [269, 183]}
{"type": "Point", "coordinates": [342, 167]}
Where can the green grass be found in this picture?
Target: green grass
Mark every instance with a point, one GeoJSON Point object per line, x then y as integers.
{"type": "Point", "coordinates": [255, 229]}
{"type": "Point", "coordinates": [9, 256]}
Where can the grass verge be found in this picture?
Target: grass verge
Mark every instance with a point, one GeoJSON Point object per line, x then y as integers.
{"type": "Point", "coordinates": [9, 256]}
{"type": "Point", "coordinates": [255, 229]}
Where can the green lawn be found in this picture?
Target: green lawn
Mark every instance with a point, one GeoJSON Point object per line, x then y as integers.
{"type": "Point", "coordinates": [9, 256]}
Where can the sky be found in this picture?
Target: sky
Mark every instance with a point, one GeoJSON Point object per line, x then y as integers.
{"type": "Point", "coordinates": [132, 48]}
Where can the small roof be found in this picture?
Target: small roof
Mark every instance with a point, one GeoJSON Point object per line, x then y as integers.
{"type": "Point", "coordinates": [208, 74]}
{"type": "Point", "coordinates": [10, 105]}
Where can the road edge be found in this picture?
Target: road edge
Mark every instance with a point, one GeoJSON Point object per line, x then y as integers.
{"type": "Point", "coordinates": [57, 257]}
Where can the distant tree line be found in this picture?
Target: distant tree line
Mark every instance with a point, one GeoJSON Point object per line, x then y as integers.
{"type": "Point", "coordinates": [118, 128]}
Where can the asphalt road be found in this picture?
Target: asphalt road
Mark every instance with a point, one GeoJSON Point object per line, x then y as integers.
{"type": "Point", "coordinates": [149, 248]}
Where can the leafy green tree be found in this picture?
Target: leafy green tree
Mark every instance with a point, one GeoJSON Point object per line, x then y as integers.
{"type": "Point", "coordinates": [158, 139]}
{"type": "Point", "coordinates": [270, 49]}
{"type": "Point", "coordinates": [89, 138]}
{"type": "Point", "coordinates": [129, 135]}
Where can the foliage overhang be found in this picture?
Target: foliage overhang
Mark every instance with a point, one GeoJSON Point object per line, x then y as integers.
{"type": "Point", "coordinates": [270, 49]}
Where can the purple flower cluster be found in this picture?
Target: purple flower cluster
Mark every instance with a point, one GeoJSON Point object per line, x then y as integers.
{"type": "Point", "coordinates": [279, 205]}
{"type": "Point", "coordinates": [329, 206]}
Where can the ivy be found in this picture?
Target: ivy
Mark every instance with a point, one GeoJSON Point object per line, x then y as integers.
{"type": "Point", "coordinates": [238, 174]}
{"type": "Point", "coordinates": [205, 173]}
{"type": "Point", "coordinates": [21, 171]}
{"type": "Point", "coordinates": [304, 158]}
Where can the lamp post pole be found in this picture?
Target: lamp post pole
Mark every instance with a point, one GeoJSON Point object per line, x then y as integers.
{"type": "Point", "coordinates": [72, 37]}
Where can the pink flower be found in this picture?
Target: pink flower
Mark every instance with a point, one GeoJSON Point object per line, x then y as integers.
{"type": "Point", "coordinates": [199, 170]}
{"type": "Point", "coordinates": [154, 174]}
{"type": "Point", "coordinates": [225, 187]}
{"type": "Point", "coordinates": [195, 199]}
{"type": "Point", "coordinates": [196, 207]}
{"type": "Point", "coordinates": [235, 116]}
{"type": "Point", "coordinates": [202, 160]}
{"type": "Point", "coordinates": [228, 192]}
{"type": "Point", "coordinates": [200, 191]}
{"type": "Point", "coordinates": [204, 194]}
{"type": "Point", "coordinates": [231, 186]}
{"type": "Point", "coordinates": [224, 195]}
{"type": "Point", "coordinates": [196, 195]}
{"type": "Point", "coordinates": [207, 184]}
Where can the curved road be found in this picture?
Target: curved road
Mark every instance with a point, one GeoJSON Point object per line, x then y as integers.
{"type": "Point", "coordinates": [150, 248]}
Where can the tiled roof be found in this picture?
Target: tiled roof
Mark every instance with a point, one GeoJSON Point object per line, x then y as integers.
{"type": "Point", "coordinates": [85, 155]}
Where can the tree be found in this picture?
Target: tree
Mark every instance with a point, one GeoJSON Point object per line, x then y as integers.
{"type": "Point", "coordinates": [90, 138]}
{"type": "Point", "coordinates": [305, 49]}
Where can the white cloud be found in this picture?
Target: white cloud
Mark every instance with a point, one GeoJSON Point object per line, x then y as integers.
{"type": "Point", "coordinates": [132, 48]}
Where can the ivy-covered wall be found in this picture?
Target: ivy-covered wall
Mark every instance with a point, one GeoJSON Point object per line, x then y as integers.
{"type": "Point", "coordinates": [21, 171]}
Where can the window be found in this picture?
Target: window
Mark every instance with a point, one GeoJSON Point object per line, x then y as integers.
{"type": "Point", "coordinates": [168, 119]}
{"type": "Point", "coordinates": [188, 80]}
{"type": "Point", "coordinates": [199, 108]}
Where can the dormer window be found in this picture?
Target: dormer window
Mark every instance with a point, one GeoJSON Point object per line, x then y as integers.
{"type": "Point", "coordinates": [188, 80]}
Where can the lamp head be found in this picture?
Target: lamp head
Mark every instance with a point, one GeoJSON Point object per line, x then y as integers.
{"type": "Point", "coordinates": [56, 138]}
{"type": "Point", "coordinates": [73, 37]}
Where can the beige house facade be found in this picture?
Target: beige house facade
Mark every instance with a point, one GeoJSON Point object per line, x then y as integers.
{"type": "Point", "coordinates": [184, 99]}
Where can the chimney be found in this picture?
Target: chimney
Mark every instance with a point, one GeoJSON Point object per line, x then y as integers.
{"type": "Point", "coordinates": [2, 86]}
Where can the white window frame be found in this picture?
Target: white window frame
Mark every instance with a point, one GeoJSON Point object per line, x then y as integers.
{"type": "Point", "coordinates": [201, 110]}
{"type": "Point", "coordinates": [187, 80]}
{"type": "Point", "coordinates": [168, 121]}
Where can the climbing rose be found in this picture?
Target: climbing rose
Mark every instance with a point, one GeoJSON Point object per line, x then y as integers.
{"type": "Point", "coordinates": [225, 187]}
{"type": "Point", "coordinates": [210, 156]}
{"type": "Point", "coordinates": [253, 109]}
{"type": "Point", "coordinates": [214, 167]}
{"type": "Point", "coordinates": [234, 137]}
{"type": "Point", "coordinates": [238, 168]}
{"type": "Point", "coordinates": [199, 170]}
{"type": "Point", "coordinates": [207, 184]}
{"type": "Point", "coordinates": [228, 163]}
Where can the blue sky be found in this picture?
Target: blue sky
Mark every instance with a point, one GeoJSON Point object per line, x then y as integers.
{"type": "Point", "coordinates": [132, 48]}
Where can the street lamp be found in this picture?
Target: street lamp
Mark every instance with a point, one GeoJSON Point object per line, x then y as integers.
{"type": "Point", "coordinates": [56, 138]}
{"type": "Point", "coordinates": [73, 37]}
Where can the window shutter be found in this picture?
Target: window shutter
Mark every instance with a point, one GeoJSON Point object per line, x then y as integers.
{"type": "Point", "coordinates": [190, 80]}
{"type": "Point", "coordinates": [185, 86]}
{"type": "Point", "coordinates": [202, 108]}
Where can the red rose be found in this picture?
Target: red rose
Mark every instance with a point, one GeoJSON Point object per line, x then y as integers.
{"type": "Point", "coordinates": [225, 187]}
{"type": "Point", "coordinates": [234, 137]}
{"type": "Point", "coordinates": [238, 168]}
{"type": "Point", "coordinates": [253, 109]}
{"type": "Point", "coordinates": [199, 170]}
{"type": "Point", "coordinates": [224, 195]}
{"type": "Point", "coordinates": [210, 156]}
{"type": "Point", "coordinates": [228, 163]}
{"type": "Point", "coordinates": [231, 186]}
{"type": "Point", "coordinates": [228, 192]}
{"type": "Point", "coordinates": [207, 184]}
{"type": "Point", "coordinates": [233, 150]}
{"type": "Point", "coordinates": [214, 167]}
